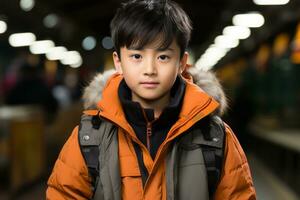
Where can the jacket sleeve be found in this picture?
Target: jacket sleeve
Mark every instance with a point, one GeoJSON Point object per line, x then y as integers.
{"type": "Point", "coordinates": [236, 181]}
{"type": "Point", "coordinates": [69, 178]}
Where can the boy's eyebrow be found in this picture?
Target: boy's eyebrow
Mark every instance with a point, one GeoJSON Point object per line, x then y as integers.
{"type": "Point", "coordinates": [165, 49]}
{"type": "Point", "coordinates": [159, 49]}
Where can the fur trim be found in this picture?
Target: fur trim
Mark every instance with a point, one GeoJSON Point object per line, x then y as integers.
{"type": "Point", "coordinates": [208, 82]}
{"type": "Point", "coordinates": [93, 92]}
{"type": "Point", "coordinates": [205, 80]}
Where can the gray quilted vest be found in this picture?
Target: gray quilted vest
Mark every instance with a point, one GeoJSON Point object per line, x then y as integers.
{"type": "Point", "coordinates": [193, 161]}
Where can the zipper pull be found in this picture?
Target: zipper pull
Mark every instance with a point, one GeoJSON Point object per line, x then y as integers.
{"type": "Point", "coordinates": [149, 133]}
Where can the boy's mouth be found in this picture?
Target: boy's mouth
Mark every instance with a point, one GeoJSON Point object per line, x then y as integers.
{"type": "Point", "coordinates": [149, 84]}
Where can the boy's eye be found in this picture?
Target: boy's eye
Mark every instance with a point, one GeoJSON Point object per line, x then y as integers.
{"type": "Point", "coordinates": [163, 57]}
{"type": "Point", "coordinates": [136, 56]}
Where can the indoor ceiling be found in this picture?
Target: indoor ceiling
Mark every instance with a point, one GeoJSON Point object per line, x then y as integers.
{"type": "Point", "coordinates": [80, 18]}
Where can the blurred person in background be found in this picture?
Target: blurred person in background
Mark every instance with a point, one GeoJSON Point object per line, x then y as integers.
{"type": "Point", "coordinates": [31, 89]}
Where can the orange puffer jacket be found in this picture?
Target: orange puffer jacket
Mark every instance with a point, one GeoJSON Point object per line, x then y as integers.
{"type": "Point", "coordinates": [70, 180]}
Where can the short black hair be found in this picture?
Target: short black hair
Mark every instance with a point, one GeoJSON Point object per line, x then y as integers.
{"type": "Point", "coordinates": [139, 22]}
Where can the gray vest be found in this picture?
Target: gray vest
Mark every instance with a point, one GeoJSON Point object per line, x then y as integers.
{"type": "Point", "coordinates": [186, 169]}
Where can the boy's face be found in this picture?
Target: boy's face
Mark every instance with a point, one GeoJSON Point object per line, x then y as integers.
{"type": "Point", "coordinates": [150, 72]}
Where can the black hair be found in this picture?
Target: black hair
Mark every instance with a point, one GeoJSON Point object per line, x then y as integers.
{"type": "Point", "coordinates": [139, 22]}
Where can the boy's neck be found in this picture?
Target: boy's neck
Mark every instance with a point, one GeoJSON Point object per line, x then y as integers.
{"type": "Point", "coordinates": [157, 105]}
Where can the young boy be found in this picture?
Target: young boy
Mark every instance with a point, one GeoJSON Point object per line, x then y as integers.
{"type": "Point", "coordinates": [154, 107]}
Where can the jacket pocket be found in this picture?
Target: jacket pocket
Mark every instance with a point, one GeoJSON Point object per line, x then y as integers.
{"type": "Point", "coordinates": [131, 180]}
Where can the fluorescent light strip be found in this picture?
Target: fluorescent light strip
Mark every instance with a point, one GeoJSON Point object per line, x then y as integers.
{"type": "Point", "coordinates": [251, 20]}
{"type": "Point", "coordinates": [21, 39]}
{"type": "Point", "coordinates": [72, 58]}
{"type": "Point", "coordinates": [41, 47]}
{"type": "Point", "coordinates": [225, 41]}
{"type": "Point", "coordinates": [239, 32]}
{"type": "Point", "coordinates": [271, 2]}
{"type": "Point", "coordinates": [3, 27]}
{"type": "Point", "coordinates": [56, 53]}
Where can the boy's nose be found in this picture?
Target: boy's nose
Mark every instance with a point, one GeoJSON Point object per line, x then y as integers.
{"type": "Point", "coordinates": [150, 67]}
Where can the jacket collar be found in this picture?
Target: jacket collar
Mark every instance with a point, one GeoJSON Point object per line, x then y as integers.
{"type": "Point", "coordinates": [196, 105]}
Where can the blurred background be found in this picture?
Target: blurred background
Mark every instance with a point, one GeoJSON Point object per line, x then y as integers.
{"type": "Point", "coordinates": [50, 50]}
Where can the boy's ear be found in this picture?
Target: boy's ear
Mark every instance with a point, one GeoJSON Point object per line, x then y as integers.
{"type": "Point", "coordinates": [183, 61]}
{"type": "Point", "coordinates": [117, 62]}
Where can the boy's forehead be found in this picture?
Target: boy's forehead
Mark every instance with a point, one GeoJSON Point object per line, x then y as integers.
{"type": "Point", "coordinates": [156, 45]}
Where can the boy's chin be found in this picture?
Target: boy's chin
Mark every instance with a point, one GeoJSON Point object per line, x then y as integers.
{"type": "Point", "coordinates": [147, 98]}
{"type": "Point", "coordinates": [150, 98]}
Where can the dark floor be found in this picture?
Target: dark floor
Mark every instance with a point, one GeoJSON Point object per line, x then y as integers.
{"type": "Point", "coordinates": [267, 185]}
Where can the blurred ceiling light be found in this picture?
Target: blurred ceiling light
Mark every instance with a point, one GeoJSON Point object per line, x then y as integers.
{"type": "Point", "coordinates": [205, 63]}
{"type": "Point", "coordinates": [3, 27]}
{"type": "Point", "coordinates": [21, 39]}
{"type": "Point", "coordinates": [239, 32]}
{"type": "Point", "coordinates": [271, 2]}
{"type": "Point", "coordinates": [76, 65]}
{"type": "Point", "coordinates": [89, 43]}
{"type": "Point", "coordinates": [50, 20]}
{"type": "Point", "coordinates": [107, 43]}
{"type": "Point", "coordinates": [214, 54]}
{"type": "Point", "coordinates": [211, 57]}
{"type": "Point", "coordinates": [56, 53]}
{"type": "Point", "coordinates": [41, 47]}
{"type": "Point", "coordinates": [251, 20]}
{"type": "Point", "coordinates": [72, 58]}
{"type": "Point", "coordinates": [27, 5]}
{"type": "Point", "coordinates": [215, 51]}
{"type": "Point", "coordinates": [225, 41]}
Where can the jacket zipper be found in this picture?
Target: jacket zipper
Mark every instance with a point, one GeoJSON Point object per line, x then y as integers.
{"type": "Point", "coordinates": [149, 133]}
{"type": "Point", "coordinates": [148, 130]}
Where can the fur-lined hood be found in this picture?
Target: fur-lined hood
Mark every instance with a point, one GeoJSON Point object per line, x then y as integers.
{"type": "Point", "coordinates": [206, 80]}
